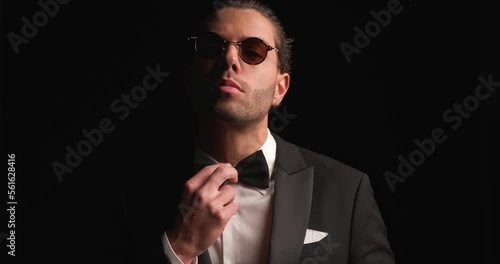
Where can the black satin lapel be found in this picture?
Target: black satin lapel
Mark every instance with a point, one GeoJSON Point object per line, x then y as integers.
{"type": "Point", "coordinates": [292, 205]}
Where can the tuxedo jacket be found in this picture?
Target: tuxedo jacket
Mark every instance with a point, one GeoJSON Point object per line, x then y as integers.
{"type": "Point", "coordinates": [314, 194]}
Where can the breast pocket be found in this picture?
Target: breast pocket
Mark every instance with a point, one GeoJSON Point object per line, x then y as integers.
{"type": "Point", "coordinates": [323, 251]}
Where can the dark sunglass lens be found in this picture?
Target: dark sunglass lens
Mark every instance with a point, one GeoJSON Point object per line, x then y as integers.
{"type": "Point", "coordinates": [253, 50]}
{"type": "Point", "coordinates": [208, 45]}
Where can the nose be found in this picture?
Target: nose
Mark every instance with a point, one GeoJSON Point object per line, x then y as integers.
{"type": "Point", "coordinates": [230, 57]}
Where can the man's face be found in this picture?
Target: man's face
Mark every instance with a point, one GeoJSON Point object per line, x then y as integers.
{"type": "Point", "coordinates": [226, 87]}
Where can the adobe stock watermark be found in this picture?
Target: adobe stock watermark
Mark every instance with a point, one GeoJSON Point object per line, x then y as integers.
{"type": "Point", "coordinates": [453, 117]}
{"type": "Point", "coordinates": [10, 239]}
{"type": "Point", "coordinates": [280, 120]}
{"type": "Point", "coordinates": [30, 28]}
{"type": "Point", "coordinates": [121, 107]}
{"type": "Point", "coordinates": [322, 251]}
{"type": "Point", "coordinates": [372, 29]}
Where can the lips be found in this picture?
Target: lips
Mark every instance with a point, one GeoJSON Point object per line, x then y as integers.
{"type": "Point", "coordinates": [229, 83]}
{"type": "Point", "coordinates": [229, 86]}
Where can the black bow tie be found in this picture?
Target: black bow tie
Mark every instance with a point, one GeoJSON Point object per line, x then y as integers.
{"type": "Point", "coordinates": [252, 170]}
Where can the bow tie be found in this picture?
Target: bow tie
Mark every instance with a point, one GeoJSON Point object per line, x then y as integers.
{"type": "Point", "coordinates": [252, 170]}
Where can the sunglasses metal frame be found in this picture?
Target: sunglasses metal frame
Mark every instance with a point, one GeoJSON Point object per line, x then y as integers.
{"type": "Point", "coordinates": [226, 43]}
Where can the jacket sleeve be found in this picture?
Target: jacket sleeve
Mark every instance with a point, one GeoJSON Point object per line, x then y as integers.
{"type": "Point", "coordinates": [369, 243]}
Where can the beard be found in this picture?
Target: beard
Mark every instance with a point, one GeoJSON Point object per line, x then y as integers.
{"type": "Point", "coordinates": [250, 108]}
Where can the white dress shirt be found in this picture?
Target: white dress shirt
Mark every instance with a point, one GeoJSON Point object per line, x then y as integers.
{"type": "Point", "coordinates": [245, 240]}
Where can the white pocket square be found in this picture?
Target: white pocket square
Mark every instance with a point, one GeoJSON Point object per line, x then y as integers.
{"type": "Point", "coordinates": [314, 236]}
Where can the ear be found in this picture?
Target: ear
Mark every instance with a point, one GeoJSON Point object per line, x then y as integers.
{"type": "Point", "coordinates": [282, 84]}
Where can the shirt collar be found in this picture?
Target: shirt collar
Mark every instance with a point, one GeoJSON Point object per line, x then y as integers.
{"type": "Point", "coordinates": [268, 149]}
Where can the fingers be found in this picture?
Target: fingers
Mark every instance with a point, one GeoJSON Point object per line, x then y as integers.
{"type": "Point", "coordinates": [222, 207]}
{"type": "Point", "coordinates": [226, 195]}
{"type": "Point", "coordinates": [200, 178]}
{"type": "Point", "coordinates": [206, 184]}
{"type": "Point", "coordinates": [219, 176]}
{"type": "Point", "coordinates": [204, 219]}
{"type": "Point", "coordinates": [228, 211]}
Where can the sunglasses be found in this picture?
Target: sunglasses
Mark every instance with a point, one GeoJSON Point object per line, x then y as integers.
{"type": "Point", "coordinates": [209, 45]}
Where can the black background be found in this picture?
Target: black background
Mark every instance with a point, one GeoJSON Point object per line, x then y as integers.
{"type": "Point", "coordinates": [365, 113]}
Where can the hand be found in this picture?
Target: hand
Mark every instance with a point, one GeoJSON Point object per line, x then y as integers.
{"type": "Point", "coordinates": [206, 208]}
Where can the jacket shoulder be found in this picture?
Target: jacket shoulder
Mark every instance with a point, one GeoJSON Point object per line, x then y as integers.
{"type": "Point", "coordinates": [324, 165]}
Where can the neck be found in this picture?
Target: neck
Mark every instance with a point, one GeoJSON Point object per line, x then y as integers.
{"type": "Point", "coordinates": [231, 143]}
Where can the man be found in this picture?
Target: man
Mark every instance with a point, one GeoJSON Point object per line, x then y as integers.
{"type": "Point", "coordinates": [310, 208]}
